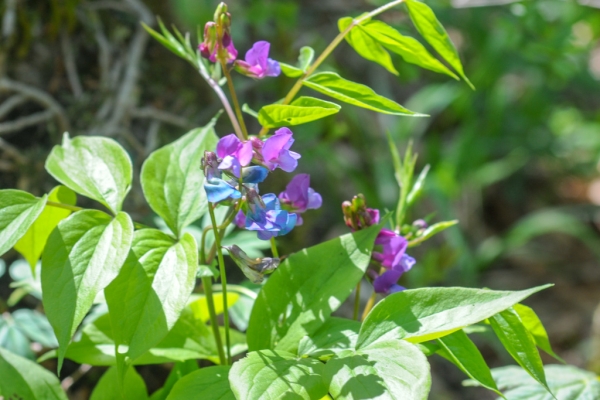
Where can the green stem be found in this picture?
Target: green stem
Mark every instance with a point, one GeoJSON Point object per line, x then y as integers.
{"type": "Point", "coordinates": [274, 248]}
{"type": "Point", "coordinates": [223, 281]}
{"type": "Point", "coordinates": [328, 50]}
{"type": "Point", "coordinates": [64, 206]}
{"type": "Point", "coordinates": [236, 104]}
{"type": "Point", "coordinates": [368, 306]}
{"type": "Point", "coordinates": [208, 291]}
{"type": "Point", "coordinates": [357, 301]}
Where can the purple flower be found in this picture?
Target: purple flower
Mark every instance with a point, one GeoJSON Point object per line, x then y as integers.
{"type": "Point", "coordinates": [258, 64]}
{"type": "Point", "coordinates": [299, 195]}
{"type": "Point", "coordinates": [267, 218]}
{"type": "Point", "coordinates": [394, 258]}
{"type": "Point", "coordinates": [216, 188]}
{"type": "Point", "coordinates": [276, 151]}
{"type": "Point", "coordinates": [230, 145]}
{"type": "Point", "coordinates": [386, 283]}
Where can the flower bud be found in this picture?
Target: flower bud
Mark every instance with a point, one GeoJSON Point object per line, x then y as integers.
{"type": "Point", "coordinates": [357, 215]}
{"type": "Point", "coordinates": [217, 37]}
{"type": "Point", "coordinates": [255, 269]}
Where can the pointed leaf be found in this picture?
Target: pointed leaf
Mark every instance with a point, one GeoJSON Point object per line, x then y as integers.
{"type": "Point", "coordinates": [431, 231]}
{"type": "Point", "coordinates": [432, 30]}
{"type": "Point", "coordinates": [152, 289]}
{"type": "Point", "coordinates": [172, 178]}
{"type": "Point", "coordinates": [317, 281]}
{"type": "Point", "coordinates": [366, 46]}
{"type": "Point", "coordinates": [32, 243]}
{"type": "Point", "coordinates": [83, 254]}
{"type": "Point", "coordinates": [386, 370]}
{"type": "Point", "coordinates": [407, 47]}
{"type": "Point", "coordinates": [429, 313]}
{"type": "Point", "coordinates": [333, 85]}
{"type": "Point", "coordinates": [108, 386]}
{"type": "Point", "coordinates": [18, 211]}
{"type": "Point", "coordinates": [333, 337]}
{"type": "Point", "coordinates": [305, 59]}
{"type": "Point", "coordinates": [24, 379]}
{"type": "Point", "coordinates": [462, 352]}
{"type": "Point", "coordinates": [301, 111]}
{"type": "Point", "coordinates": [35, 326]}
{"type": "Point", "coordinates": [517, 340]}
{"type": "Point", "coordinates": [277, 374]}
{"type": "Point", "coordinates": [93, 166]}
{"type": "Point", "coordinates": [533, 324]}
{"type": "Point", "coordinates": [209, 383]}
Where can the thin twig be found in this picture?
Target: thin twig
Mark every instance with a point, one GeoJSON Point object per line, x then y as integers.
{"type": "Point", "coordinates": [160, 115]}
{"type": "Point", "coordinates": [70, 66]}
{"type": "Point", "coordinates": [75, 376]}
{"type": "Point", "coordinates": [24, 122]}
{"type": "Point", "coordinates": [11, 103]}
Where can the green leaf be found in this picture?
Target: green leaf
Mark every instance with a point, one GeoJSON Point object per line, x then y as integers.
{"type": "Point", "coordinates": [366, 46]}
{"type": "Point", "coordinates": [277, 374]}
{"type": "Point", "coordinates": [108, 386]}
{"type": "Point", "coordinates": [407, 47]}
{"type": "Point", "coordinates": [386, 370]}
{"type": "Point", "coordinates": [333, 85]}
{"type": "Point", "coordinates": [462, 352]}
{"type": "Point", "coordinates": [533, 324]}
{"type": "Point", "coordinates": [290, 71]}
{"type": "Point", "coordinates": [152, 289]}
{"type": "Point", "coordinates": [417, 187]}
{"type": "Point", "coordinates": [179, 370]}
{"type": "Point", "coordinates": [172, 178]}
{"type": "Point", "coordinates": [83, 255]}
{"type": "Point", "coordinates": [209, 383]}
{"type": "Point", "coordinates": [431, 231]}
{"type": "Point", "coordinates": [305, 59]}
{"type": "Point", "coordinates": [565, 381]}
{"type": "Point", "coordinates": [333, 337]}
{"type": "Point", "coordinates": [18, 211]}
{"type": "Point", "coordinates": [432, 30]}
{"type": "Point", "coordinates": [31, 245]}
{"type": "Point", "coordinates": [517, 340]}
{"type": "Point", "coordinates": [301, 111]}
{"type": "Point", "coordinates": [317, 280]}
{"type": "Point", "coordinates": [35, 326]}
{"type": "Point", "coordinates": [240, 312]}
{"type": "Point", "coordinates": [426, 314]}
{"type": "Point", "coordinates": [24, 379]}
{"type": "Point", "coordinates": [13, 339]}
{"type": "Point", "coordinates": [93, 166]}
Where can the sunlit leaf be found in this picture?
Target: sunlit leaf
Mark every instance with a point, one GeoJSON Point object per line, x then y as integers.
{"type": "Point", "coordinates": [300, 111]}
{"type": "Point", "coordinates": [18, 211]}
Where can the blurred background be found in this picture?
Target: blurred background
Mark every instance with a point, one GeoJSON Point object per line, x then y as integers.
{"type": "Point", "coordinates": [517, 161]}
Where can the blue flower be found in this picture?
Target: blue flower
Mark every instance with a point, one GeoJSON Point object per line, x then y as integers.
{"type": "Point", "coordinates": [266, 217]}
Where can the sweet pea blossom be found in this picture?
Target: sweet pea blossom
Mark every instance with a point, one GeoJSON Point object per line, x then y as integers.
{"type": "Point", "coordinates": [230, 145]}
{"type": "Point", "coordinates": [275, 151]}
{"type": "Point", "coordinates": [216, 188]}
{"type": "Point", "coordinates": [258, 64]}
{"type": "Point", "coordinates": [299, 196]}
{"type": "Point", "coordinates": [266, 216]}
{"type": "Point", "coordinates": [393, 257]}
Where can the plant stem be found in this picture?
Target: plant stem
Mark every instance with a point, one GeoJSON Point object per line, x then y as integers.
{"type": "Point", "coordinates": [208, 291]}
{"type": "Point", "coordinates": [368, 306]}
{"type": "Point", "coordinates": [215, 86]}
{"type": "Point", "coordinates": [64, 206]}
{"type": "Point", "coordinates": [328, 50]}
{"type": "Point", "coordinates": [357, 301]}
{"type": "Point", "coordinates": [236, 104]}
{"type": "Point", "coordinates": [274, 248]}
{"type": "Point", "coordinates": [223, 282]}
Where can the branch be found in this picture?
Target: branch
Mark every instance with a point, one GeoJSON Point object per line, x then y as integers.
{"type": "Point", "coordinates": [69, 60]}
{"type": "Point", "coordinates": [11, 103]}
{"type": "Point", "coordinates": [160, 115]}
{"type": "Point", "coordinates": [24, 122]}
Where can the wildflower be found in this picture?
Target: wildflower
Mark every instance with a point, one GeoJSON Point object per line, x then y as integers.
{"type": "Point", "coordinates": [393, 257]}
{"type": "Point", "coordinates": [356, 214]}
{"type": "Point", "coordinates": [216, 188]}
{"type": "Point", "coordinates": [258, 64]}
{"type": "Point", "coordinates": [212, 45]}
{"type": "Point", "coordinates": [254, 269]}
{"type": "Point", "coordinates": [230, 145]}
{"type": "Point", "coordinates": [299, 196]}
{"type": "Point", "coordinates": [266, 216]}
{"type": "Point", "coordinates": [275, 151]}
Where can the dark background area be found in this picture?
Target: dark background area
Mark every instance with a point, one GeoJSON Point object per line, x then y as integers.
{"type": "Point", "coordinates": [517, 161]}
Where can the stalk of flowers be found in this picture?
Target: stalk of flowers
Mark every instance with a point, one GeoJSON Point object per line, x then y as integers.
{"type": "Point", "coordinates": [389, 258]}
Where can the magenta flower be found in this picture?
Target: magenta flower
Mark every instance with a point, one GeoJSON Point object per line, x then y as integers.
{"type": "Point", "coordinates": [276, 151]}
{"type": "Point", "coordinates": [299, 195]}
{"type": "Point", "coordinates": [230, 145]}
{"type": "Point", "coordinates": [393, 248]}
{"type": "Point", "coordinates": [258, 64]}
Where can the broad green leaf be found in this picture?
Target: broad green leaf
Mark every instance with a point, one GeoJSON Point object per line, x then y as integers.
{"type": "Point", "coordinates": [18, 211]}
{"type": "Point", "coordinates": [35, 326]}
{"type": "Point", "coordinates": [199, 304]}
{"type": "Point", "coordinates": [565, 381]}
{"type": "Point", "coordinates": [407, 47]}
{"type": "Point", "coordinates": [431, 231]}
{"type": "Point", "coordinates": [533, 324]}
{"type": "Point", "coordinates": [366, 46]}
{"type": "Point", "coordinates": [24, 379]}
{"type": "Point", "coordinates": [209, 383]}
{"type": "Point", "coordinates": [333, 85]}
{"type": "Point", "coordinates": [93, 166]}
{"type": "Point", "coordinates": [108, 387]}
{"type": "Point", "coordinates": [517, 340]}
{"type": "Point", "coordinates": [278, 375]}
{"type": "Point", "coordinates": [334, 336]}
{"type": "Point", "coordinates": [179, 370]}
{"type": "Point", "coordinates": [172, 178]}
{"type": "Point", "coordinates": [317, 280]}
{"type": "Point", "coordinates": [301, 111]}
{"type": "Point", "coordinates": [240, 312]}
{"type": "Point", "coordinates": [429, 313]}
{"type": "Point", "coordinates": [13, 339]}
{"type": "Point", "coordinates": [31, 245]}
{"type": "Point", "coordinates": [462, 352]}
{"type": "Point", "coordinates": [432, 30]}
{"type": "Point", "coordinates": [386, 370]}
{"type": "Point", "coordinates": [83, 255]}
{"type": "Point", "coordinates": [152, 289]}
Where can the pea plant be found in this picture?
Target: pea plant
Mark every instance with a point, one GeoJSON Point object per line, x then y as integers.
{"type": "Point", "coordinates": [119, 294]}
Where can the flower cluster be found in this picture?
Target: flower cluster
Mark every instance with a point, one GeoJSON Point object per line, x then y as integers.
{"type": "Point", "coordinates": [230, 177]}
{"type": "Point", "coordinates": [218, 44]}
{"type": "Point", "coordinates": [389, 258]}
